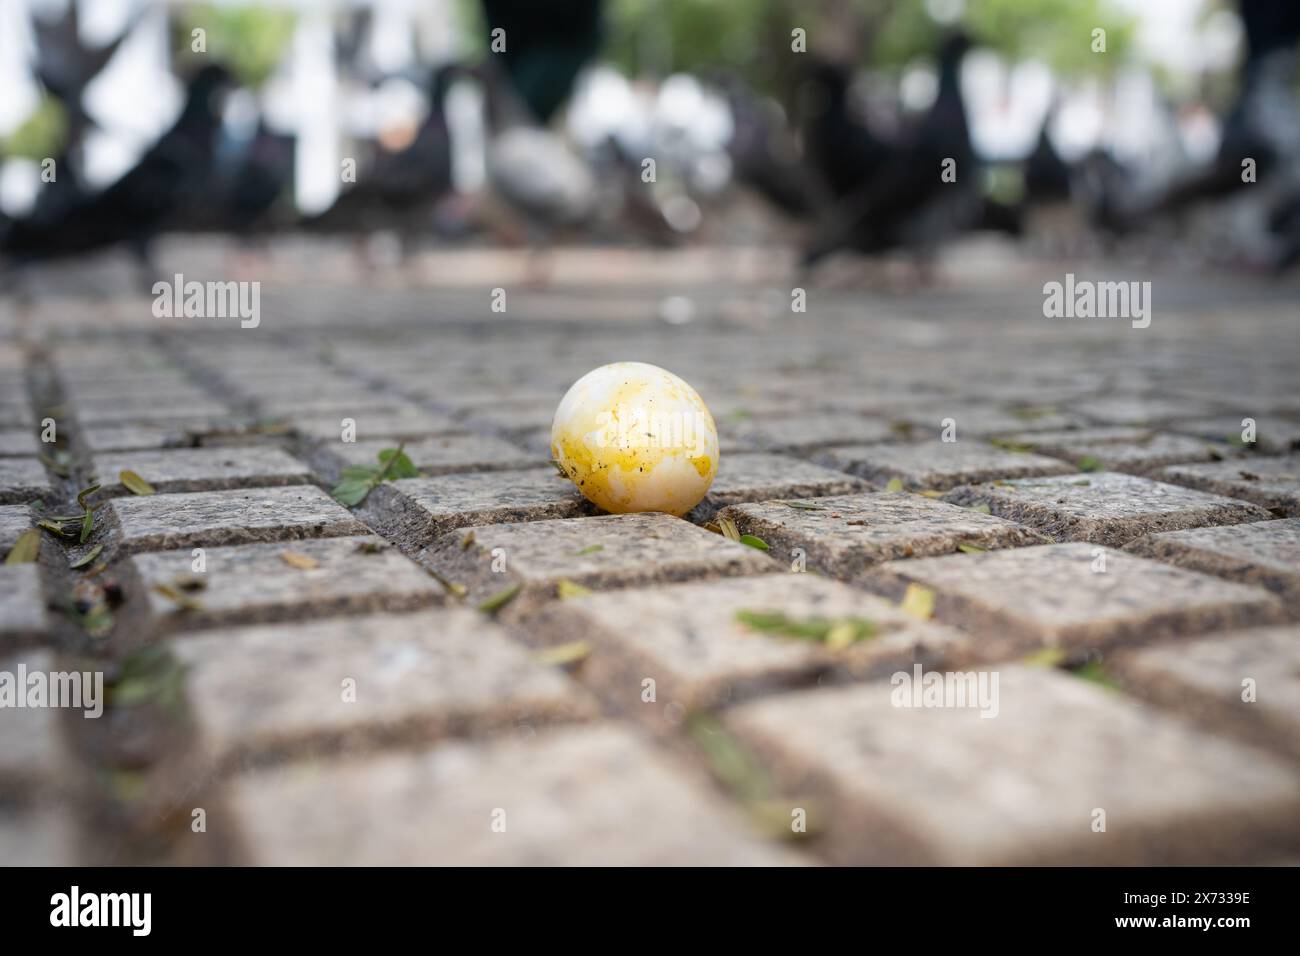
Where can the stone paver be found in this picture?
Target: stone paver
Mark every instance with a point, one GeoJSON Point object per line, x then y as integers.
{"type": "Point", "coordinates": [1266, 553]}
{"type": "Point", "coordinates": [417, 510]}
{"type": "Point", "coordinates": [927, 422]}
{"type": "Point", "coordinates": [575, 797]}
{"type": "Point", "coordinates": [803, 433]}
{"type": "Point", "coordinates": [36, 759]}
{"type": "Point", "coordinates": [23, 614]}
{"type": "Point", "coordinates": [38, 837]}
{"type": "Point", "coordinates": [254, 583]}
{"type": "Point", "coordinates": [1142, 410]}
{"type": "Point", "coordinates": [844, 535]}
{"type": "Point", "coordinates": [394, 423]}
{"type": "Point", "coordinates": [14, 520]}
{"type": "Point", "coordinates": [442, 455]}
{"type": "Point", "coordinates": [212, 518]}
{"type": "Point", "coordinates": [944, 785]}
{"type": "Point", "coordinates": [1056, 595]}
{"type": "Point", "coordinates": [202, 469]}
{"type": "Point", "coordinates": [147, 408]}
{"type": "Point", "coordinates": [15, 442]}
{"type": "Point", "coordinates": [707, 644]}
{"type": "Point", "coordinates": [1142, 455]}
{"type": "Point", "coordinates": [1104, 507]}
{"type": "Point", "coordinates": [1246, 683]}
{"type": "Point", "coordinates": [606, 551]}
{"type": "Point", "coordinates": [938, 465]}
{"type": "Point", "coordinates": [259, 694]}
{"type": "Point", "coordinates": [760, 476]}
{"type": "Point", "coordinates": [21, 480]}
{"type": "Point", "coordinates": [1274, 435]}
{"type": "Point", "coordinates": [1273, 483]}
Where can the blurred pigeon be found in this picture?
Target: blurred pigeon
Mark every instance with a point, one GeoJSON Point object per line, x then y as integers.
{"type": "Point", "coordinates": [841, 148]}
{"type": "Point", "coordinates": [401, 187]}
{"type": "Point", "coordinates": [136, 207]}
{"type": "Point", "coordinates": [546, 45]}
{"type": "Point", "coordinates": [906, 202]}
{"type": "Point", "coordinates": [530, 168]}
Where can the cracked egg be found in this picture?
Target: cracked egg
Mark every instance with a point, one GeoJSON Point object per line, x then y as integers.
{"type": "Point", "coordinates": [635, 437]}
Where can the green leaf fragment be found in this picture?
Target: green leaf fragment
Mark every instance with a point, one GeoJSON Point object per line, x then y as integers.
{"type": "Point", "coordinates": [918, 601]}
{"type": "Point", "coordinates": [499, 600]}
{"type": "Point", "coordinates": [133, 483]}
{"type": "Point", "coordinates": [590, 549]}
{"type": "Point", "coordinates": [351, 492]}
{"type": "Point", "coordinates": [754, 542]}
{"type": "Point", "coordinates": [566, 589]}
{"type": "Point", "coordinates": [1088, 463]}
{"type": "Point", "coordinates": [26, 549]}
{"type": "Point", "coordinates": [894, 484]}
{"type": "Point", "coordinates": [971, 549]}
{"type": "Point", "coordinates": [837, 632]}
{"type": "Point", "coordinates": [86, 558]}
{"type": "Point", "coordinates": [562, 655]}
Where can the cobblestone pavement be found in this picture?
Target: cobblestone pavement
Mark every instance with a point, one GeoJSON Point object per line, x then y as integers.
{"type": "Point", "coordinates": [475, 666]}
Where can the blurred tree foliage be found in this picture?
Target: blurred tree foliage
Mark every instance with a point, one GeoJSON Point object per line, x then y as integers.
{"type": "Point", "coordinates": [753, 37]}
{"type": "Point", "coordinates": [250, 41]}
{"type": "Point", "coordinates": [42, 135]}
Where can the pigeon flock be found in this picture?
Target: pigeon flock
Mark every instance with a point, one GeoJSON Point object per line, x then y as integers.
{"type": "Point", "coordinates": [571, 149]}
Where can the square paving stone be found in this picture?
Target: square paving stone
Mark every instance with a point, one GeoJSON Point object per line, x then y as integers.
{"type": "Point", "coordinates": [441, 455]}
{"type": "Point", "coordinates": [151, 408]}
{"type": "Point", "coordinates": [693, 641]}
{"type": "Point", "coordinates": [202, 469]}
{"type": "Point", "coordinates": [597, 796]}
{"type": "Point", "coordinates": [38, 836]}
{"type": "Point", "coordinates": [1273, 483]}
{"type": "Point", "coordinates": [35, 758]}
{"type": "Point", "coordinates": [926, 423]}
{"type": "Point", "coordinates": [21, 480]}
{"type": "Point", "coordinates": [18, 441]}
{"type": "Point", "coordinates": [255, 583]}
{"type": "Point", "coordinates": [1266, 553]}
{"type": "Point", "coordinates": [1139, 410]}
{"type": "Point", "coordinates": [14, 520]}
{"type": "Point", "coordinates": [760, 476]}
{"type": "Point", "coordinates": [606, 551]}
{"type": "Point", "coordinates": [1104, 507]}
{"type": "Point", "coordinates": [803, 433]}
{"type": "Point", "coordinates": [944, 785]}
{"type": "Point", "coordinates": [938, 465]}
{"type": "Point", "coordinates": [23, 614]}
{"type": "Point", "coordinates": [513, 420]}
{"type": "Point", "coordinates": [259, 694]}
{"type": "Point", "coordinates": [1274, 435]}
{"type": "Point", "coordinates": [212, 518]}
{"type": "Point", "coordinates": [1051, 595]}
{"type": "Point", "coordinates": [843, 536]}
{"type": "Point", "coordinates": [1244, 683]}
{"type": "Point", "coordinates": [394, 423]}
{"type": "Point", "coordinates": [414, 511]}
{"type": "Point", "coordinates": [1143, 455]}
{"type": "Point", "coordinates": [1061, 444]}
{"type": "Point", "coordinates": [102, 438]}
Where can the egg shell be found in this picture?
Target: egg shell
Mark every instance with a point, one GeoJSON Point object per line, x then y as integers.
{"type": "Point", "coordinates": [635, 437]}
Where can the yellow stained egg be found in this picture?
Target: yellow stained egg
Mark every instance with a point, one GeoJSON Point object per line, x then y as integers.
{"type": "Point", "coordinates": [635, 437]}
